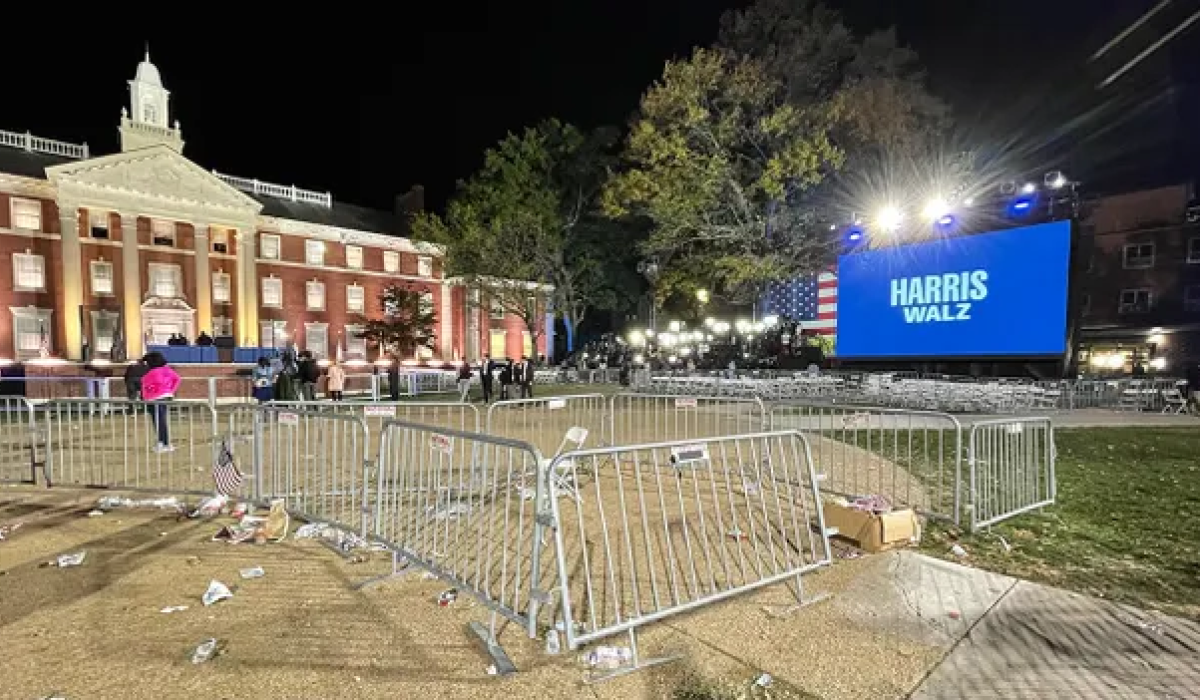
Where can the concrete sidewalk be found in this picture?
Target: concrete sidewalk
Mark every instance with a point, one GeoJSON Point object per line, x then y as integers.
{"type": "Point", "coordinates": [1016, 639]}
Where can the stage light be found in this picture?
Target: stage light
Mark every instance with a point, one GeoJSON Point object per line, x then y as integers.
{"type": "Point", "coordinates": [1028, 188]}
{"type": "Point", "coordinates": [854, 234]}
{"type": "Point", "coordinates": [1159, 363]}
{"type": "Point", "coordinates": [637, 339]}
{"type": "Point", "coordinates": [969, 201]}
{"type": "Point", "coordinates": [1055, 180]}
{"type": "Point", "coordinates": [649, 332]}
{"type": "Point", "coordinates": [936, 209]}
{"type": "Point", "coordinates": [742, 325]}
{"type": "Point", "coordinates": [771, 320]}
{"type": "Point", "coordinates": [890, 218]}
{"type": "Point", "coordinates": [946, 221]}
{"type": "Point", "coordinates": [1020, 206]}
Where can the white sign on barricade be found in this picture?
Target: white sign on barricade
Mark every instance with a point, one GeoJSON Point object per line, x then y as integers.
{"type": "Point", "coordinates": [379, 411]}
{"type": "Point", "coordinates": [290, 420]}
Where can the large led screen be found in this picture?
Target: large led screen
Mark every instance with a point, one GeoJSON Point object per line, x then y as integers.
{"type": "Point", "coordinates": [997, 294]}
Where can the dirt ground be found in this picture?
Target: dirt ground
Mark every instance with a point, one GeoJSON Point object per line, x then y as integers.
{"type": "Point", "coordinates": [305, 630]}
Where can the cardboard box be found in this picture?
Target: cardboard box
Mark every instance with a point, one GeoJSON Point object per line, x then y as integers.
{"type": "Point", "coordinates": [871, 532]}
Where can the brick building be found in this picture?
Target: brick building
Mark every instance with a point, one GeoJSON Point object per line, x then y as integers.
{"type": "Point", "coordinates": [124, 250]}
{"type": "Point", "coordinates": [1140, 281]}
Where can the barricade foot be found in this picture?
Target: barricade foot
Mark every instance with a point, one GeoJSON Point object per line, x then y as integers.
{"type": "Point", "coordinates": [398, 569]}
{"type": "Point", "coordinates": [802, 601]}
{"type": "Point", "coordinates": [504, 665]}
{"type": "Point", "coordinates": [636, 666]}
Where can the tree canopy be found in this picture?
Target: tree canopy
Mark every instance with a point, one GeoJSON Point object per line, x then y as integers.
{"type": "Point", "coordinates": [715, 159]}
{"type": "Point", "coordinates": [407, 323]}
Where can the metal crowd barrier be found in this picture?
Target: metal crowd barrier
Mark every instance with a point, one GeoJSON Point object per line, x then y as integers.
{"type": "Point", "coordinates": [115, 444]}
{"type": "Point", "coordinates": [19, 440]}
{"type": "Point", "coordinates": [912, 458]}
{"type": "Point", "coordinates": [441, 414]}
{"type": "Point", "coordinates": [644, 532]}
{"type": "Point", "coordinates": [544, 422]}
{"type": "Point", "coordinates": [1012, 469]}
{"type": "Point", "coordinates": [642, 418]}
{"type": "Point", "coordinates": [464, 507]}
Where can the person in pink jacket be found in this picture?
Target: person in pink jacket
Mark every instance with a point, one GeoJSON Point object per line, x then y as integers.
{"type": "Point", "coordinates": [158, 387]}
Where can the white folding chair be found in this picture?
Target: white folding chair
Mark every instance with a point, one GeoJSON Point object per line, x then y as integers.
{"type": "Point", "coordinates": [564, 479]}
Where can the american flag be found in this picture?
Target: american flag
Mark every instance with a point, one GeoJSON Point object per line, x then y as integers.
{"type": "Point", "coordinates": [811, 300]}
{"type": "Point", "coordinates": [225, 471]}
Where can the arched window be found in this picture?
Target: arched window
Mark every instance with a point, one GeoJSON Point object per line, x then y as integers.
{"type": "Point", "coordinates": [149, 113]}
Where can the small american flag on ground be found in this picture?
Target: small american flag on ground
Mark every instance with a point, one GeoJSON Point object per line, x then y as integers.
{"type": "Point", "coordinates": [225, 471]}
{"type": "Point", "coordinates": [810, 299]}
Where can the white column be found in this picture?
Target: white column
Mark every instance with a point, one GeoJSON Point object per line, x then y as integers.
{"type": "Point", "coordinates": [203, 279]}
{"type": "Point", "coordinates": [131, 288]}
{"type": "Point", "coordinates": [71, 283]}
{"type": "Point", "coordinates": [247, 281]}
{"type": "Point", "coordinates": [446, 323]}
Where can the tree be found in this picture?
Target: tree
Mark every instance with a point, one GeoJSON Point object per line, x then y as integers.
{"type": "Point", "coordinates": [407, 323]}
{"type": "Point", "coordinates": [716, 159]}
{"type": "Point", "coordinates": [531, 214]}
{"type": "Point", "coordinates": [873, 88]}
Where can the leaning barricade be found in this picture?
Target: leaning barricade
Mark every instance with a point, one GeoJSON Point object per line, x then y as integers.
{"type": "Point", "coordinates": [547, 423]}
{"type": "Point", "coordinates": [1012, 468]}
{"type": "Point", "coordinates": [648, 531]}
{"type": "Point", "coordinates": [462, 506]}
{"type": "Point", "coordinates": [912, 458]}
{"type": "Point", "coordinates": [317, 461]}
{"type": "Point", "coordinates": [19, 440]}
{"type": "Point", "coordinates": [164, 446]}
{"type": "Point", "coordinates": [464, 417]}
{"type": "Point", "coordinates": [643, 418]}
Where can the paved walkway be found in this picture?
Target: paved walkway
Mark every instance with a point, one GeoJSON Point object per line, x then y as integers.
{"type": "Point", "coordinates": [1015, 639]}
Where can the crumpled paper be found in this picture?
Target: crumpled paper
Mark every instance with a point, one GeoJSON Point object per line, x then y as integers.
{"type": "Point", "coordinates": [342, 540]}
{"type": "Point", "coordinates": [216, 592]}
{"type": "Point", "coordinates": [107, 503]}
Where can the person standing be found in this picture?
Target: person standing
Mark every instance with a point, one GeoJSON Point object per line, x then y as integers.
{"type": "Point", "coordinates": [159, 387]}
{"type": "Point", "coordinates": [335, 381]}
{"type": "Point", "coordinates": [506, 379]}
{"type": "Point", "coordinates": [486, 367]}
{"type": "Point", "coordinates": [309, 375]}
{"type": "Point", "coordinates": [464, 381]}
{"type": "Point", "coordinates": [133, 379]}
{"type": "Point", "coordinates": [525, 377]}
{"type": "Point", "coordinates": [393, 375]}
{"type": "Point", "coordinates": [261, 379]}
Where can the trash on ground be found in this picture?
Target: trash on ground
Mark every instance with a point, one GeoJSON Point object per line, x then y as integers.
{"type": "Point", "coordinates": [173, 609]}
{"type": "Point", "coordinates": [1004, 543]}
{"type": "Point", "coordinates": [7, 530]}
{"type": "Point", "coordinates": [210, 507]}
{"type": "Point", "coordinates": [958, 551]}
{"type": "Point", "coordinates": [206, 651]}
{"type": "Point", "coordinates": [954, 614]}
{"type": "Point", "coordinates": [255, 572]}
{"type": "Point", "coordinates": [450, 511]}
{"type": "Point", "coordinates": [736, 534]}
{"type": "Point", "coordinates": [553, 644]}
{"type": "Point", "coordinates": [67, 560]}
{"type": "Point", "coordinates": [492, 670]}
{"type": "Point", "coordinates": [96, 513]}
{"type": "Point", "coordinates": [342, 540]}
{"type": "Point", "coordinates": [764, 681]}
{"type": "Point", "coordinates": [216, 592]}
{"type": "Point", "coordinates": [607, 657]}
{"type": "Point", "coordinates": [107, 503]}
{"type": "Point", "coordinates": [241, 510]}
{"type": "Point", "coordinates": [273, 528]}
{"type": "Point", "coordinates": [447, 597]}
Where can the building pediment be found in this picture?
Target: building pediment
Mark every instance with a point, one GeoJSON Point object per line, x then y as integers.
{"type": "Point", "coordinates": [155, 174]}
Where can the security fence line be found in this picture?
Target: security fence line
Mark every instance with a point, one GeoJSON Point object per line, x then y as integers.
{"type": "Point", "coordinates": [1012, 469]}
{"type": "Point", "coordinates": [19, 440]}
{"type": "Point", "coordinates": [644, 532]}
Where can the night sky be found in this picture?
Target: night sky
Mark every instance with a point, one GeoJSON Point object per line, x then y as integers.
{"type": "Point", "coordinates": [366, 104]}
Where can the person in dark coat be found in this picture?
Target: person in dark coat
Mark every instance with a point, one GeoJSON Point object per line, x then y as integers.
{"type": "Point", "coordinates": [506, 380]}
{"type": "Point", "coordinates": [133, 379]}
{"type": "Point", "coordinates": [393, 374]}
{"type": "Point", "coordinates": [308, 373]}
{"type": "Point", "coordinates": [486, 367]}
{"type": "Point", "coordinates": [525, 377]}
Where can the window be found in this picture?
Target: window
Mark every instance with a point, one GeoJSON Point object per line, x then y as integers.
{"type": "Point", "coordinates": [163, 232]}
{"type": "Point", "coordinates": [221, 288]}
{"type": "Point", "coordinates": [272, 292]}
{"type": "Point", "coordinates": [268, 244]}
{"type": "Point", "coordinates": [526, 344]}
{"type": "Point", "coordinates": [222, 327]}
{"type": "Point", "coordinates": [149, 113]}
{"type": "Point", "coordinates": [531, 306]}
{"type": "Point", "coordinates": [29, 272]}
{"type": "Point", "coordinates": [104, 331]}
{"type": "Point", "coordinates": [1193, 250]}
{"type": "Point", "coordinates": [274, 334]}
{"type": "Point", "coordinates": [1135, 301]}
{"type": "Point", "coordinates": [498, 345]}
{"type": "Point", "coordinates": [166, 281]}
{"type": "Point", "coordinates": [1139, 256]}
{"type": "Point", "coordinates": [316, 339]}
{"type": "Point", "coordinates": [356, 347]}
{"type": "Point", "coordinates": [98, 224]}
{"type": "Point", "coordinates": [26, 214]}
{"type": "Point", "coordinates": [102, 277]}
{"type": "Point", "coordinates": [391, 261]}
{"type": "Point", "coordinates": [356, 299]}
{"type": "Point", "coordinates": [314, 294]}
{"type": "Point", "coordinates": [497, 309]}
{"type": "Point", "coordinates": [426, 303]}
{"type": "Point", "coordinates": [314, 253]}
{"type": "Point", "coordinates": [424, 266]}
{"type": "Point", "coordinates": [354, 257]}
{"type": "Point", "coordinates": [1191, 298]}
{"type": "Point", "coordinates": [220, 240]}
{"type": "Point", "coordinates": [32, 331]}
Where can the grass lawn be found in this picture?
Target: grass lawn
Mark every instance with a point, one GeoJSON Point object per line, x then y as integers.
{"type": "Point", "coordinates": [1126, 526]}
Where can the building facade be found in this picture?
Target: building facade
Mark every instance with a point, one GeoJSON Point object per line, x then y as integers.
{"type": "Point", "coordinates": [113, 253]}
{"type": "Point", "coordinates": [1140, 282]}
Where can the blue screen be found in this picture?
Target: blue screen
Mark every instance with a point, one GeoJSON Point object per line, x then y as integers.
{"type": "Point", "coordinates": [993, 294]}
